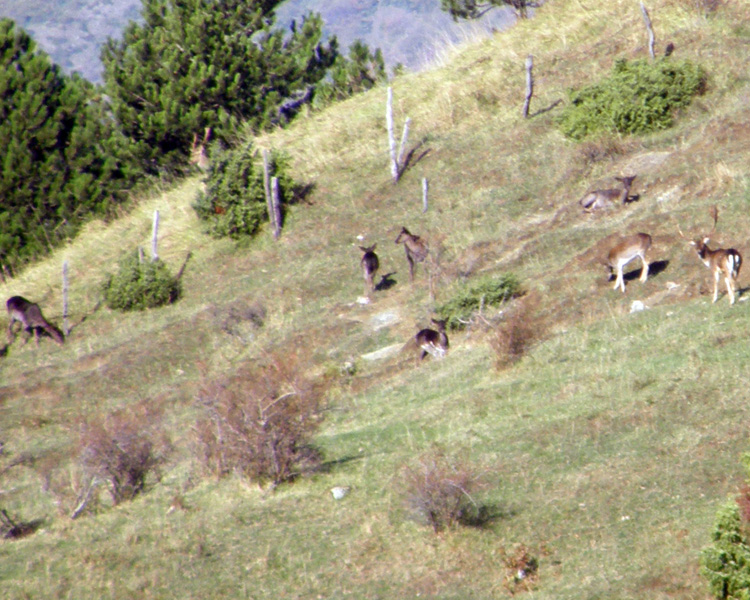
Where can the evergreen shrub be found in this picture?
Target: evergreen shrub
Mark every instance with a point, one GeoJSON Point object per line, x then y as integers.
{"type": "Point", "coordinates": [234, 201]}
{"type": "Point", "coordinates": [488, 291]}
{"type": "Point", "coordinates": [140, 284]}
{"type": "Point", "coordinates": [637, 97]}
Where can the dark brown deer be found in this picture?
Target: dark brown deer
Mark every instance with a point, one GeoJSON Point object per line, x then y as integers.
{"type": "Point", "coordinates": [31, 318]}
{"type": "Point", "coordinates": [628, 249]}
{"type": "Point", "coordinates": [433, 342]}
{"type": "Point", "coordinates": [198, 151]}
{"type": "Point", "coordinates": [600, 199]}
{"type": "Point", "coordinates": [416, 249]}
{"type": "Point", "coordinates": [722, 261]}
{"type": "Point", "coordinates": [370, 265]}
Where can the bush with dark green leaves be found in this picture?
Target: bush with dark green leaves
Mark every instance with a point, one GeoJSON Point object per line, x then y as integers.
{"type": "Point", "coordinates": [234, 201]}
{"type": "Point", "coordinates": [637, 97]}
{"type": "Point", "coordinates": [488, 291]}
{"type": "Point", "coordinates": [140, 284]}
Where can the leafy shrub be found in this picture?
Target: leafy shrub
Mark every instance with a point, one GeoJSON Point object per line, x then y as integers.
{"type": "Point", "coordinates": [234, 202]}
{"type": "Point", "coordinates": [458, 311]}
{"type": "Point", "coordinates": [726, 563]}
{"type": "Point", "coordinates": [140, 284]}
{"type": "Point", "coordinates": [638, 97]}
{"type": "Point", "coordinates": [260, 424]}
{"type": "Point", "coordinates": [123, 449]}
{"type": "Point", "coordinates": [439, 491]}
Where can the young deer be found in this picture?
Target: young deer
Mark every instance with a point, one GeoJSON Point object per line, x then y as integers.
{"type": "Point", "coordinates": [433, 342]}
{"type": "Point", "coordinates": [31, 318]}
{"type": "Point", "coordinates": [599, 199]}
{"type": "Point", "coordinates": [370, 265]}
{"type": "Point", "coordinates": [628, 249]}
{"type": "Point", "coordinates": [198, 152]}
{"type": "Point", "coordinates": [722, 261]}
{"type": "Point", "coordinates": [416, 249]}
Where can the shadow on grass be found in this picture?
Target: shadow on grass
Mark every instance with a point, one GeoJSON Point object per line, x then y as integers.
{"type": "Point", "coordinates": [654, 269]}
{"type": "Point", "coordinates": [329, 465]}
{"type": "Point", "coordinates": [386, 282]}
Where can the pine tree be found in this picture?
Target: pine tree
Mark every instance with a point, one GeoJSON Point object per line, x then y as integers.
{"type": "Point", "coordinates": [473, 9]}
{"type": "Point", "coordinates": [194, 64]}
{"type": "Point", "coordinates": [58, 151]}
{"type": "Point", "coordinates": [358, 73]}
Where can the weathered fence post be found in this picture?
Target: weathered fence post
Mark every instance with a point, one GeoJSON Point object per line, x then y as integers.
{"type": "Point", "coordinates": [66, 329]}
{"type": "Point", "coordinates": [391, 139]}
{"type": "Point", "coordinates": [424, 194]}
{"type": "Point", "coordinates": [269, 197]}
{"type": "Point", "coordinates": [529, 85]}
{"type": "Point", "coordinates": [651, 38]}
{"type": "Point", "coordinates": [155, 237]}
{"type": "Point", "coordinates": [276, 207]}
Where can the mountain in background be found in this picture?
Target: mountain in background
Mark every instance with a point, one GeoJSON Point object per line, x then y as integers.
{"type": "Point", "coordinates": [410, 32]}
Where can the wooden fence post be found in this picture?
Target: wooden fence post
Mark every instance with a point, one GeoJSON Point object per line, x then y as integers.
{"type": "Point", "coordinates": [529, 85]}
{"type": "Point", "coordinates": [276, 207]}
{"type": "Point", "coordinates": [155, 237]}
{"type": "Point", "coordinates": [391, 139]}
{"type": "Point", "coordinates": [651, 38]}
{"type": "Point", "coordinates": [269, 197]}
{"type": "Point", "coordinates": [424, 194]}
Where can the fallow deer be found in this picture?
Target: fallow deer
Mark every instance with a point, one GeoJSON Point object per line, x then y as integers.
{"type": "Point", "coordinates": [198, 151]}
{"type": "Point", "coordinates": [416, 249]}
{"type": "Point", "coordinates": [722, 261]}
{"type": "Point", "coordinates": [370, 265]}
{"type": "Point", "coordinates": [433, 342]}
{"type": "Point", "coordinates": [31, 318]}
{"type": "Point", "coordinates": [599, 199]}
{"type": "Point", "coordinates": [628, 249]}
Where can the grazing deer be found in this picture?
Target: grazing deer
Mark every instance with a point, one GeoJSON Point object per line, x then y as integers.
{"type": "Point", "coordinates": [198, 152]}
{"type": "Point", "coordinates": [433, 342]}
{"type": "Point", "coordinates": [599, 199]}
{"type": "Point", "coordinates": [370, 265]}
{"type": "Point", "coordinates": [722, 261]}
{"type": "Point", "coordinates": [631, 247]}
{"type": "Point", "coordinates": [416, 249]}
{"type": "Point", "coordinates": [30, 316]}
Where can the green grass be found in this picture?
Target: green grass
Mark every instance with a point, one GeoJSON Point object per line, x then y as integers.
{"type": "Point", "coordinates": [607, 448]}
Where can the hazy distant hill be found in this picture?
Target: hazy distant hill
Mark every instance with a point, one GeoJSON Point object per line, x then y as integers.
{"type": "Point", "coordinates": [407, 31]}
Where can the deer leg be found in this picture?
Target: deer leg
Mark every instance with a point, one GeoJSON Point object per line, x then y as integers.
{"type": "Point", "coordinates": [644, 271]}
{"type": "Point", "coordinates": [716, 285]}
{"type": "Point", "coordinates": [411, 268]}
{"type": "Point", "coordinates": [730, 289]}
{"type": "Point", "coordinates": [620, 281]}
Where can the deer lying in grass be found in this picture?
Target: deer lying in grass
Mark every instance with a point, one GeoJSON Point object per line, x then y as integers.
{"type": "Point", "coordinates": [416, 249]}
{"type": "Point", "coordinates": [31, 318]}
{"type": "Point", "coordinates": [722, 261]}
{"type": "Point", "coordinates": [599, 199]}
{"type": "Point", "coordinates": [433, 342]}
{"type": "Point", "coordinates": [370, 265]}
{"type": "Point", "coordinates": [198, 151]}
{"type": "Point", "coordinates": [628, 249]}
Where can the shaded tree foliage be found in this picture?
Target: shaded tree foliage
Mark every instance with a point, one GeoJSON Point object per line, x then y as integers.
{"type": "Point", "coordinates": [207, 63]}
{"type": "Point", "coordinates": [58, 151]}
{"type": "Point", "coordinates": [357, 73]}
{"type": "Point", "coordinates": [473, 9]}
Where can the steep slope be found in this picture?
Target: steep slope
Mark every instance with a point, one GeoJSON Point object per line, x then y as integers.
{"type": "Point", "coordinates": [605, 450]}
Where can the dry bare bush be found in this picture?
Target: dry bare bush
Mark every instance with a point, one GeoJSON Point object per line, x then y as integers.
{"type": "Point", "coordinates": [440, 491]}
{"type": "Point", "coordinates": [515, 335]}
{"type": "Point", "coordinates": [261, 423]}
{"type": "Point", "coordinates": [123, 449]}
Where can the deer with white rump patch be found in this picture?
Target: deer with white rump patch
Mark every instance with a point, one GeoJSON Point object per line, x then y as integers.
{"type": "Point", "coordinates": [599, 199]}
{"type": "Point", "coordinates": [370, 265]}
{"type": "Point", "coordinates": [416, 249]}
{"type": "Point", "coordinates": [433, 342]}
{"type": "Point", "coordinates": [30, 316]}
{"type": "Point", "coordinates": [634, 246]}
{"type": "Point", "coordinates": [722, 261]}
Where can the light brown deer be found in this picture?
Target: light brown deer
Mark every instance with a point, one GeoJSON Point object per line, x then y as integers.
{"type": "Point", "coordinates": [433, 342]}
{"type": "Point", "coordinates": [370, 265]}
{"type": "Point", "coordinates": [628, 249]}
{"type": "Point", "coordinates": [722, 261]}
{"type": "Point", "coordinates": [416, 249]}
{"type": "Point", "coordinates": [198, 151]}
{"type": "Point", "coordinates": [31, 318]}
{"type": "Point", "coordinates": [599, 199]}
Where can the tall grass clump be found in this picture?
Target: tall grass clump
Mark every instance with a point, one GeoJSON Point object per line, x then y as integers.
{"type": "Point", "coordinates": [140, 284]}
{"type": "Point", "coordinates": [469, 299]}
{"type": "Point", "coordinates": [234, 201]}
{"type": "Point", "coordinates": [260, 423]}
{"type": "Point", "coordinates": [637, 97]}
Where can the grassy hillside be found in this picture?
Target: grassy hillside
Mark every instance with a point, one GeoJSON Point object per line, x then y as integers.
{"type": "Point", "coordinates": [605, 451]}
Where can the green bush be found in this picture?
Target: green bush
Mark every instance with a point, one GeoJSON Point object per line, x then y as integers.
{"type": "Point", "coordinates": [488, 291]}
{"type": "Point", "coordinates": [637, 97]}
{"type": "Point", "coordinates": [726, 563]}
{"type": "Point", "coordinates": [234, 202]}
{"type": "Point", "coordinates": [140, 284]}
